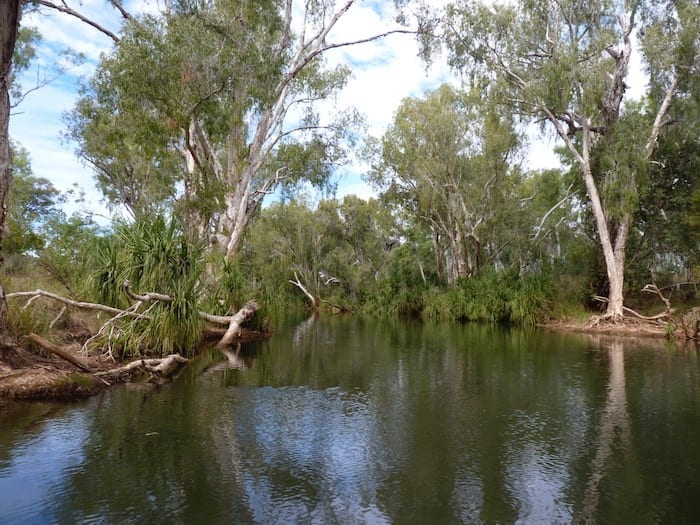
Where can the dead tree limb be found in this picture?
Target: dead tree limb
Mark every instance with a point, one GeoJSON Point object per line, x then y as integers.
{"type": "Point", "coordinates": [77, 304]}
{"type": "Point", "coordinates": [234, 327]}
{"type": "Point", "coordinates": [315, 301]}
{"type": "Point", "coordinates": [60, 352]}
{"type": "Point", "coordinates": [148, 296]}
{"type": "Point", "coordinates": [652, 288]}
{"type": "Point", "coordinates": [155, 296]}
{"type": "Point", "coordinates": [234, 322]}
{"type": "Point", "coordinates": [64, 8]}
{"type": "Point", "coordinates": [162, 367]}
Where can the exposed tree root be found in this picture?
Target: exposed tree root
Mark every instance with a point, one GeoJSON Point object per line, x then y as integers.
{"type": "Point", "coordinates": [613, 319]}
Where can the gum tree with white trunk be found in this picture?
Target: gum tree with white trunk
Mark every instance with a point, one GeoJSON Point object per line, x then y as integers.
{"type": "Point", "coordinates": [566, 65]}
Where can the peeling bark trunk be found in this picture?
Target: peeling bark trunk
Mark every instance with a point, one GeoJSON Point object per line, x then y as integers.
{"type": "Point", "coordinates": [614, 256]}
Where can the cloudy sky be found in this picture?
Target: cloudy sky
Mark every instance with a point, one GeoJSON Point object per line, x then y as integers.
{"type": "Point", "coordinates": [385, 72]}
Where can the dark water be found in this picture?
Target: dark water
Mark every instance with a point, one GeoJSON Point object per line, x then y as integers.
{"type": "Point", "coordinates": [349, 421]}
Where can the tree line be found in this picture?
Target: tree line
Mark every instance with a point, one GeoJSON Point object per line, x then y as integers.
{"type": "Point", "coordinates": [204, 129]}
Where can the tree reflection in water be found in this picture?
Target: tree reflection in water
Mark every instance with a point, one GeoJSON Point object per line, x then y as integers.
{"type": "Point", "coordinates": [614, 421]}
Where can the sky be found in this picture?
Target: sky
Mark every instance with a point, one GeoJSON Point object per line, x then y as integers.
{"type": "Point", "coordinates": [384, 73]}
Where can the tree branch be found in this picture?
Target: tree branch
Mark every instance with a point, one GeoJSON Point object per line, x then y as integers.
{"type": "Point", "coordinates": [63, 7]}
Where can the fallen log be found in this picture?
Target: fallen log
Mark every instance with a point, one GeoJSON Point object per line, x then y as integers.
{"type": "Point", "coordinates": [57, 350]}
{"type": "Point", "coordinates": [234, 327]}
{"type": "Point", "coordinates": [161, 368]}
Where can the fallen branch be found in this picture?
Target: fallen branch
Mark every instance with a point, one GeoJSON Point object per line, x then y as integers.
{"type": "Point", "coordinates": [657, 317]}
{"type": "Point", "coordinates": [162, 367]}
{"type": "Point", "coordinates": [149, 296]}
{"type": "Point", "coordinates": [77, 304]}
{"type": "Point", "coordinates": [154, 296]}
{"type": "Point", "coordinates": [234, 322]}
{"type": "Point", "coordinates": [57, 350]}
{"type": "Point", "coordinates": [234, 327]}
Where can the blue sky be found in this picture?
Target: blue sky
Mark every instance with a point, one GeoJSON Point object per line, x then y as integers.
{"type": "Point", "coordinates": [384, 72]}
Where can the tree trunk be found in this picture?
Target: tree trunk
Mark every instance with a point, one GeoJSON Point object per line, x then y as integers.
{"type": "Point", "coordinates": [234, 328]}
{"type": "Point", "coordinates": [10, 11]}
{"type": "Point", "coordinates": [614, 256]}
{"type": "Point", "coordinates": [240, 207]}
{"type": "Point", "coordinates": [460, 262]}
{"type": "Point", "coordinates": [439, 255]}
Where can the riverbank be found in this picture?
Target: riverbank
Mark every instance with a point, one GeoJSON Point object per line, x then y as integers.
{"type": "Point", "coordinates": [25, 375]}
{"type": "Point", "coordinates": [36, 377]}
{"type": "Point", "coordinates": [628, 328]}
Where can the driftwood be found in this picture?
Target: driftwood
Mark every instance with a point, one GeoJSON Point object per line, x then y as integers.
{"type": "Point", "coordinates": [160, 368]}
{"type": "Point", "coordinates": [234, 327]}
{"type": "Point", "coordinates": [60, 352]}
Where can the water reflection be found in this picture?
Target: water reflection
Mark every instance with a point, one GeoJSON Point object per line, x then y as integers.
{"type": "Point", "coordinates": [345, 421]}
{"type": "Point", "coordinates": [613, 423]}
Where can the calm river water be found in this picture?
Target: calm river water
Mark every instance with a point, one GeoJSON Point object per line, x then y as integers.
{"type": "Point", "coordinates": [341, 420]}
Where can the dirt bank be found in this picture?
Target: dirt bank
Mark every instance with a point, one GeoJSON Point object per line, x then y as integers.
{"type": "Point", "coordinates": [36, 375]}
{"type": "Point", "coordinates": [30, 376]}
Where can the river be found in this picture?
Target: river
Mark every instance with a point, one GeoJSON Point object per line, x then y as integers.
{"type": "Point", "coordinates": [343, 420]}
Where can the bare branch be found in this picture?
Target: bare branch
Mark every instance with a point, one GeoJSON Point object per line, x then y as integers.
{"type": "Point", "coordinates": [659, 119]}
{"type": "Point", "coordinates": [551, 210]}
{"type": "Point", "coordinates": [63, 7]}
{"type": "Point", "coordinates": [77, 304]}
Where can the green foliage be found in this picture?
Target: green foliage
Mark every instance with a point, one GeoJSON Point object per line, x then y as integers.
{"type": "Point", "coordinates": [32, 203]}
{"type": "Point", "coordinates": [153, 257]}
{"type": "Point", "coordinates": [24, 53]}
{"type": "Point", "coordinates": [492, 297]}
{"type": "Point", "coordinates": [65, 255]}
{"type": "Point", "coordinates": [444, 161]}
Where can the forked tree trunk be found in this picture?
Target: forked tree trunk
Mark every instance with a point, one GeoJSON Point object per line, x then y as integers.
{"type": "Point", "coordinates": [614, 254]}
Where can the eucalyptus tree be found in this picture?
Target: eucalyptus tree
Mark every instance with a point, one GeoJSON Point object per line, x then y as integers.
{"type": "Point", "coordinates": [218, 99]}
{"type": "Point", "coordinates": [361, 235]}
{"type": "Point", "coordinates": [447, 159]}
{"type": "Point", "coordinates": [566, 64]}
{"type": "Point", "coordinates": [31, 204]}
